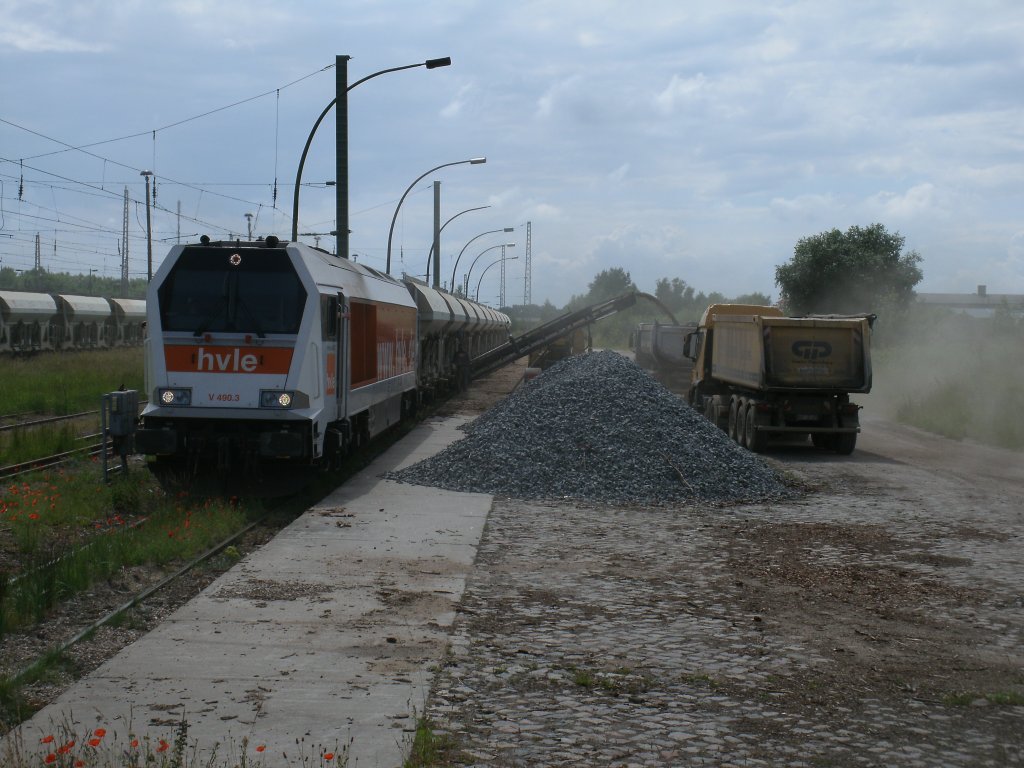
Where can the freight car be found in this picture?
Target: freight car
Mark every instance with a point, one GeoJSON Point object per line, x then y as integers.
{"type": "Point", "coordinates": [278, 351]}
{"type": "Point", "coordinates": [758, 374]}
{"type": "Point", "coordinates": [35, 322]}
{"type": "Point", "coordinates": [26, 321]}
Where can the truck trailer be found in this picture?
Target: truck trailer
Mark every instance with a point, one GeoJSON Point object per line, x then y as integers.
{"type": "Point", "coordinates": [758, 374]}
{"type": "Point", "coordinates": [661, 349]}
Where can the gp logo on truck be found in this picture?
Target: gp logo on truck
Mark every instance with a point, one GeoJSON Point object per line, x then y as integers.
{"type": "Point", "coordinates": [811, 350]}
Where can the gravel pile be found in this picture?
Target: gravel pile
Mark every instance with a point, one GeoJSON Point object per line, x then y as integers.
{"type": "Point", "coordinates": [597, 427]}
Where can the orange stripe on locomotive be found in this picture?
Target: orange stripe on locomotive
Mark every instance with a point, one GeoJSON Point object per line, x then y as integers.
{"type": "Point", "coordinates": [383, 341]}
{"type": "Point", "coordinates": [226, 359]}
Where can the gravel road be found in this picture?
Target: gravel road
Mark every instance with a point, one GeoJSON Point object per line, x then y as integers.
{"type": "Point", "coordinates": [875, 620]}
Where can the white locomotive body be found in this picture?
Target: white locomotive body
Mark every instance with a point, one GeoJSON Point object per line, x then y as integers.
{"type": "Point", "coordinates": [269, 350]}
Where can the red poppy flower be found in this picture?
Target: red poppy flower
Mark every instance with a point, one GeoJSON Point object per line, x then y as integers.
{"type": "Point", "coordinates": [135, 743]}
{"type": "Point", "coordinates": [51, 758]}
{"type": "Point", "coordinates": [79, 763]}
{"type": "Point", "coordinates": [101, 732]}
{"type": "Point", "coordinates": [46, 739]}
{"type": "Point", "coordinates": [93, 742]}
{"type": "Point", "coordinates": [328, 756]}
{"type": "Point", "coordinates": [33, 516]}
{"type": "Point", "coordinates": [261, 747]}
{"type": "Point", "coordinates": [163, 746]}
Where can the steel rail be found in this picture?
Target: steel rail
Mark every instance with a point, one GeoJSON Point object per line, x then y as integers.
{"type": "Point", "coordinates": [135, 600]}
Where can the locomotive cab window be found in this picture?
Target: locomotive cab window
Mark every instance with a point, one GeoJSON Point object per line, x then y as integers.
{"type": "Point", "coordinates": [232, 291]}
{"type": "Point", "coordinates": [329, 317]}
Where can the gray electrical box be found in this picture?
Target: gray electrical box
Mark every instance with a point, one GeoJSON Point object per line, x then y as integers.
{"type": "Point", "coordinates": [120, 416]}
{"type": "Point", "coordinates": [123, 412]}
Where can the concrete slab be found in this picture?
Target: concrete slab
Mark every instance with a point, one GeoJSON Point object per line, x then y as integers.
{"type": "Point", "coordinates": [327, 634]}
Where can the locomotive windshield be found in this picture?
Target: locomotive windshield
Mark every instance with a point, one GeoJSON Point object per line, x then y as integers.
{"type": "Point", "coordinates": [232, 290]}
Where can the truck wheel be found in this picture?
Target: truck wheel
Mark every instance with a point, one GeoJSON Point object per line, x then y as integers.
{"type": "Point", "coordinates": [757, 440]}
{"type": "Point", "coordinates": [709, 409]}
{"type": "Point", "coordinates": [845, 442]}
{"type": "Point", "coordinates": [823, 441]}
{"type": "Point", "coordinates": [741, 423]}
{"type": "Point", "coordinates": [732, 419]}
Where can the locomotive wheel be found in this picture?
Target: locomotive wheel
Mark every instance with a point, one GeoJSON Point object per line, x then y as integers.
{"type": "Point", "coordinates": [733, 405]}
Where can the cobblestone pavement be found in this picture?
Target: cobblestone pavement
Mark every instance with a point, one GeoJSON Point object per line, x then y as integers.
{"type": "Point", "coordinates": [875, 622]}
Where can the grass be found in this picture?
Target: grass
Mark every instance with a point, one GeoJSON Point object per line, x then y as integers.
{"type": "Point", "coordinates": [999, 698]}
{"type": "Point", "coordinates": [22, 445]}
{"type": "Point", "coordinates": [59, 383]}
{"type": "Point", "coordinates": [62, 532]}
{"type": "Point", "coordinates": [430, 748]}
{"type": "Point", "coordinates": [67, 530]}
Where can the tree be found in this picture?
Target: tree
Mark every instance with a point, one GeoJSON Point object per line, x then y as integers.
{"type": "Point", "coordinates": [674, 294]}
{"type": "Point", "coordinates": [609, 284]}
{"type": "Point", "coordinates": [860, 270]}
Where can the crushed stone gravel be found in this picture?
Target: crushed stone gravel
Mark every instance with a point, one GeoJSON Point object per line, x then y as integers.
{"type": "Point", "coordinates": [597, 427]}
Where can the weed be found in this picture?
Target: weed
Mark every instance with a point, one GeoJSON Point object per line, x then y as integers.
{"type": "Point", "coordinates": [999, 698]}
{"type": "Point", "coordinates": [430, 748]}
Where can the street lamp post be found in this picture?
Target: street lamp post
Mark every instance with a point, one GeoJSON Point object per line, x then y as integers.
{"type": "Point", "coordinates": [149, 231]}
{"type": "Point", "coordinates": [341, 99]}
{"type": "Point", "coordinates": [469, 271]}
{"type": "Point", "coordinates": [496, 261]}
{"type": "Point", "coordinates": [391, 232]}
{"type": "Point", "coordinates": [437, 271]}
{"type": "Point", "coordinates": [488, 232]}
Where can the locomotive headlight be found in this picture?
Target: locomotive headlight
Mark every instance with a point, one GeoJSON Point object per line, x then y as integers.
{"type": "Point", "coordinates": [275, 398]}
{"type": "Point", "coordinates": [179, 396]}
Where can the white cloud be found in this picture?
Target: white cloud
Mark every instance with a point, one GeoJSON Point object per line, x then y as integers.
{"type": "Point", "coordinates": [40, 35]}
{"type": "Point", "coordinates": [679, 89]}
{"type": "Point", "coordinates": [619, 173]}
{"type": "Point", "coordinates": [920, 200]}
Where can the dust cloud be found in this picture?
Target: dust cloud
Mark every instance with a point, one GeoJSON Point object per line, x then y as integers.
{"type": "Point", "coordinates": [949, 373]}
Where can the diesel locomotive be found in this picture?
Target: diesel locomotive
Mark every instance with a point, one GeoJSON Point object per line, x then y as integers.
{"type": "Point", "coordinates": [278, 351]}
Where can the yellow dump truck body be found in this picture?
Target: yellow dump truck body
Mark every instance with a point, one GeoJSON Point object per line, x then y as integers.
{"type": "Point", "coordinates": [792, 353]}
{"type": "Point", "coordinates": [758, 374]}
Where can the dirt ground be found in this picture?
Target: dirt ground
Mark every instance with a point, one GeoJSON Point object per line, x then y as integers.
{"type": "Point", "coordinates": [902, 562]}
{"type": "Point", "coordinates": [894, 577]}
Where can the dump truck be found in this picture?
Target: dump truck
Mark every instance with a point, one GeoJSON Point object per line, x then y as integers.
{"type": "Point", "coordinates": [660, 348]}
{"type": "Point", "coordinates": [758, 374]}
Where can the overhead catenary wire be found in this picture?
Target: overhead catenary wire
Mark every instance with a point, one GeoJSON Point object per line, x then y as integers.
{"type": "Point", "coordinates": [82, 147]}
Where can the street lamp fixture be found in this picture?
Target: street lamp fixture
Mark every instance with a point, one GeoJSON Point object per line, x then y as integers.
{"type": "Point", "coordinates": [469, 271]}
{"type": "Point", "coordinates": [488, 232]}
{"type": "Point", "coordinates": [453, 218]}
{"type": "Point", "coordinates": [342, 88]}
{"type": "Point", "coordinates": [391, 232]}
{"type": "Point", "coordinates": [496, 261]}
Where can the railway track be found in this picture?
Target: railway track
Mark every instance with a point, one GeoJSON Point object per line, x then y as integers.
{"type": "Point", "coordinates": [53, 460]}
{"type": "Point", "coordinates": [86, 630]}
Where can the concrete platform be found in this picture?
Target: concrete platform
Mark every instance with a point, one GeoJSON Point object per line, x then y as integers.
{"type": "Point", "coordinates": [328, 634]}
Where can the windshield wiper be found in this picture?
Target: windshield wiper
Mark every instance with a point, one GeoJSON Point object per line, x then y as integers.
{"type": "Point", "coordinates": [255, 320]}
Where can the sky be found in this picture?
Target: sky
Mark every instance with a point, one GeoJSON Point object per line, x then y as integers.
{"type": "Point", "coordinates": [671, 138]}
